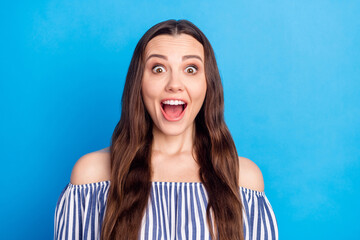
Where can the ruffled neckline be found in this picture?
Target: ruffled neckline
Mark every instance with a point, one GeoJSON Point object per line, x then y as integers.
{"type": "Point", "coordinates": [162, 183]}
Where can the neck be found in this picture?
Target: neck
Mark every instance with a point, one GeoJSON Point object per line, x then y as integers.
{"type": "Point", "coordinates": [173, 144]}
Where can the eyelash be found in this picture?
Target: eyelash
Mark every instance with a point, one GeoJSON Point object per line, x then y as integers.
{"type": "Point", "coordinates": [159, 65]}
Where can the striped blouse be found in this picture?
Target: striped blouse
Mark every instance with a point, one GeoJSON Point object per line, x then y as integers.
{"type": "Point", "coordinates": [175, 210]}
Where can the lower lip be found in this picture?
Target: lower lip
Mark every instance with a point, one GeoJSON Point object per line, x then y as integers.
{"type": "Point", "coordinates": [173, 119]}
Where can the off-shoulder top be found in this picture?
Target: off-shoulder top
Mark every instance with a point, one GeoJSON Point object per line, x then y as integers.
{"type": "Point", "coordinates": [175, 210]}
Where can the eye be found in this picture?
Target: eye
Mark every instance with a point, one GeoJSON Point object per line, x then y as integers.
{"type": "Point", "coordinates": [158, 69]}
{"type": "Point", "coordinates": [192, 69]}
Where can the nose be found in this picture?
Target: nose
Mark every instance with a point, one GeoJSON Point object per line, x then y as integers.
{"type": "Point", "coordinates": [174, 83]}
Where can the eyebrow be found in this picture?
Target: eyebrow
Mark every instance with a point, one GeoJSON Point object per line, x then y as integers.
{"type": "Point", "coordinates": [183, 58]}
{"type": "Point", "coordinates": [191, 56]}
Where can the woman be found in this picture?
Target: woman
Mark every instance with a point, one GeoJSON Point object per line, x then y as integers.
{"type": "Point", "coordinates": [172, 164]}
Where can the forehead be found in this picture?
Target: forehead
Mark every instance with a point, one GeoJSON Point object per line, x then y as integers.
{"type": "Point", "coordinates": [168, 44]}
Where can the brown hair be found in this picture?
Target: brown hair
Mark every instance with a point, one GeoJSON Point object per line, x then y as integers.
{"type": "Point", "coordinates": [131, 143]}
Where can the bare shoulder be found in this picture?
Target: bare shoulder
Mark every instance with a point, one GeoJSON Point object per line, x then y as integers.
{"type": "Point", "coordinates": [92, 167]}
{"type": "Point", "coordinates": [250, 175]}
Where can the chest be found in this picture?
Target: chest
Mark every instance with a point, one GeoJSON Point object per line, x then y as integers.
{"type": "Point", "coordinates": [174, 169]}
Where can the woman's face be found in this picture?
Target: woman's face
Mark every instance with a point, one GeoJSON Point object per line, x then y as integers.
{"type": "Point", "coordinates": [173, 84]}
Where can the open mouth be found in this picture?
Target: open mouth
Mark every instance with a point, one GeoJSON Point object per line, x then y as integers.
{"type": "Point", "coordinates": [173, 110]}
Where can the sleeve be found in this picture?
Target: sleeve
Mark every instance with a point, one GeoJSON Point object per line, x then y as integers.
{"type": "Point", "coordinates": [80, 211]}
{"type": "Point", "coordinates": [259, 218]}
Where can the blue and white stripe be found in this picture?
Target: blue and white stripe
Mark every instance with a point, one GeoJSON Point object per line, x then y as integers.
{"type": "Point", "coordinates": [175, 210]}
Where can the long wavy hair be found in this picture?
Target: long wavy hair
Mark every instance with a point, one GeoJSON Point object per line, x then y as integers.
{"type": "Point", "coordinates": [131, 144]}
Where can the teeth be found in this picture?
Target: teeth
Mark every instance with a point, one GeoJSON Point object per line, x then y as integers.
{"type": "Point", "coordinates": [173, 102]}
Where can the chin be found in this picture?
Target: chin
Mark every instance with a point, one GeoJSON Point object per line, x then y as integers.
{"type": "Point", "coordinates": [173, 131]}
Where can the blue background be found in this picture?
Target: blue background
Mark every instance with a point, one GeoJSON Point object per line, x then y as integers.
{"type": "Point", "coordinates": [291, 75]}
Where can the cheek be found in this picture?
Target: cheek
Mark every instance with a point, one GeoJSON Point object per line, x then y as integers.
{"type": "Point", "coordinates": [148, 90]}
{"type": "Point", "coordinates": [199, 91]}
{"type": "Point", "coordinates": [149, 94]}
